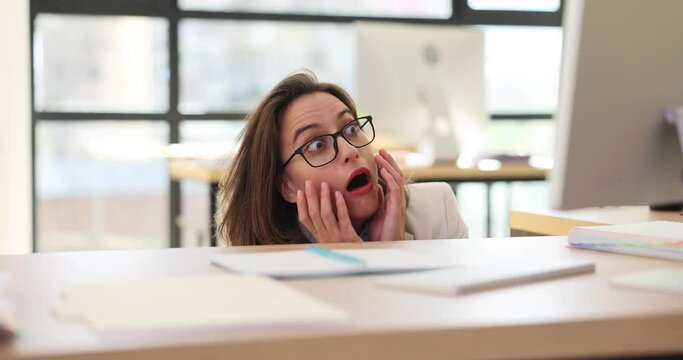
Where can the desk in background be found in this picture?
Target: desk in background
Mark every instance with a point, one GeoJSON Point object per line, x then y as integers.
{"type": "Point", "coordinates": [572, 317]}
{"type": "Point", "coordinates": [209, 172]}
{"type": "Point", "coordinates": [557, 222]}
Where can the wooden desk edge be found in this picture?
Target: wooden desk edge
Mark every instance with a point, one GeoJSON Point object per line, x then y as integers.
{"type": "Point", "coordinates": [451, 173]}
{"type": "Point", "coordinates": [596, 338]}
{"type": "Point", "coordinates": [544, 224]}
{"type": "Point", "coordinates": [192, 170]}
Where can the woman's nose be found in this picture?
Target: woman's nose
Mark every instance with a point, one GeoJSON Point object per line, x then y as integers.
{"type": "Point", "coordinates": [347, 151]}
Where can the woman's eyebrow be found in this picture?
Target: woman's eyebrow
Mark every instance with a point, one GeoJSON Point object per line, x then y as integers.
{"type": "Point", "coordinates": [302, 129]}
{"type": "Point", "coordinates": [312, 126]}
{"type": "Point", "coordinates": [344, 112]}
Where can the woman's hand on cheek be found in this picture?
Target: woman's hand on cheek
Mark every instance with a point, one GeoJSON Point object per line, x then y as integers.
{"type": "Point", "coordinates": [315, 212]}
{"type": "Point", "coordinates": [389, 222]}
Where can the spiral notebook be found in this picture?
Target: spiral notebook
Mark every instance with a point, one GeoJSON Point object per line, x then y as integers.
{"type": "Point", "coordinates": [660, 239]}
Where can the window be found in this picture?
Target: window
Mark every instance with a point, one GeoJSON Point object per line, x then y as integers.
{"type": "Point", "coordinates": [522, 69]}
{"type": "Point", "coordinates": [95, 180]}
{"type": "Point", "coordinates": [227, 66]}
{"type": "Point", "coordinates": [114, 82]}
{"type": "Point", "coordinates": [100, 64]}
{"type": "Point", "coordinates": [517, 5]}
{"type": "Point", "coordinates": [427, 9]}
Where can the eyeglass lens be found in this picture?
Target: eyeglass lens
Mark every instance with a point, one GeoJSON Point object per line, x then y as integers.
{"type": "Point", "coordinates": [322, 149]}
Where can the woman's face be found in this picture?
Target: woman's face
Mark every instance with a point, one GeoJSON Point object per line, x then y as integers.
{"type": "Point", "coordinates": [318, 114]}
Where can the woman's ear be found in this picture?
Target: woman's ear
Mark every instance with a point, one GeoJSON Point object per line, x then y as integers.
{"type": "Point", "coordinates": [287, 189]}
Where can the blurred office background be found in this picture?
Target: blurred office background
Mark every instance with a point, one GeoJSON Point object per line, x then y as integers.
{"type": "Point", "coordinates": [115, 82]}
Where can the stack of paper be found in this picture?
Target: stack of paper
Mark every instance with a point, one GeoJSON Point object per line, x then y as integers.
{"type": "Point", "coordinates": [662, 239]}
{"type": "Point", "coordinates": [316, 261]}
{"type": "Point", "coordinates": [209, 300]}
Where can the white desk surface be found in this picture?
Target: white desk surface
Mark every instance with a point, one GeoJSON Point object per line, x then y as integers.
{"type": "Point", "coordinates": [579, 316]}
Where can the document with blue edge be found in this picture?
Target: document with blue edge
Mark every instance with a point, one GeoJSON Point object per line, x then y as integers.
{"type": "Point", "coordinates": [313, 262]}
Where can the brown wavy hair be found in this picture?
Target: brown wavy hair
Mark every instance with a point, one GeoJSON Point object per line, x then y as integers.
{"type": "Point", "coordinates": [251, 210]}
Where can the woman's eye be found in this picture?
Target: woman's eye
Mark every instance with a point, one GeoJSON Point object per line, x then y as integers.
{"type": "Point", "coordinates": [315, 145]}
{"type": "Point", "coordinates": [352, 129]}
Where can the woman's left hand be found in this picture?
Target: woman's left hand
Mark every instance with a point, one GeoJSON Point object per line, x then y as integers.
{"type": "Point", "coordinates": [389, 222]}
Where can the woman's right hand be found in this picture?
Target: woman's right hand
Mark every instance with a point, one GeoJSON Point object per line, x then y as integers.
{"type": "Point", "coordinates": [319, 218]}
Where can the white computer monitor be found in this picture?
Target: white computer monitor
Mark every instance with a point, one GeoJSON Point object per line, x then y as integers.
{"type": "Point", "coordinates": [622, 66]}
{"type": "Point", "coordinates": [424, 85]}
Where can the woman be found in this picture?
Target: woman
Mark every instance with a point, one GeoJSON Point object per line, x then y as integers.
{"type": "Point", "coordinates": [305, 173]}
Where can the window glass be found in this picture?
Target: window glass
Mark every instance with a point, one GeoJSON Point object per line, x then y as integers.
{"type": "Point", "coordinates": [100, 64]}
{"type": "Point", "coordinates": [228, 66]}
{"type": "Point", "coordinates": [439, 9]}
{"type": "Point", "coordinates": [522, 66]}
{"type": "Point", "coordinates": [199, 131]}
{"type": "Point", "coordinates": [516, 5]}
{"type": "Point", "coordinates": [214, 139]}
{"type": "Point", "coordinates": [101, 185]}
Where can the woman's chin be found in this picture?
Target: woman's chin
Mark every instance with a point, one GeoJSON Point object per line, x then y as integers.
{"type": "Point", "coordinates": [364, 210]}
{"type": "Point", "coordinates": [364, 207]}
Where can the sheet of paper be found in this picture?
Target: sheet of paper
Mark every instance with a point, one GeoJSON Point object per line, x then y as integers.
{"type": "Point", "coordinates": [658, 280]}
{"type": "Point", "coordinates": [224, 300]}
{"type": "Point", "coordinates": [302, 263]}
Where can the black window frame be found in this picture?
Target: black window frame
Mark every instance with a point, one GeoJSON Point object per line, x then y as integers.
{"type": "Point", "coordinates": [462, 14]}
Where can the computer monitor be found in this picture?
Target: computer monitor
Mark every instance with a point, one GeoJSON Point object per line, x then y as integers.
{"type": "Point", "coordinates": [423, 84]}
{"type": "Point", "coordinates": [622, 66]}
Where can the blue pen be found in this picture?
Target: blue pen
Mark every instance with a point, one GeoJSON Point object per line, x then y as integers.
{"type": "Point", "coordinates": [318, 250]}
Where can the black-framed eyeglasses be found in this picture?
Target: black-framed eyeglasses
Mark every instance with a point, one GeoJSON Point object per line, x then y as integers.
{"type": "Point", "coordinates": [323, 149]}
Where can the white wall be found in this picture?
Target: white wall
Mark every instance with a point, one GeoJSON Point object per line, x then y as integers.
{"type": "Point", "coordinates": [15, 128]}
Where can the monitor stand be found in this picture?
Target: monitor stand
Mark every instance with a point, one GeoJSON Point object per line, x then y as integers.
{"type": "Point", "coordinates": [440, 142]}
{"type": "Point", "coordinates": [667, 207]}
{"type": "Point", "coordinates": [673, 117]}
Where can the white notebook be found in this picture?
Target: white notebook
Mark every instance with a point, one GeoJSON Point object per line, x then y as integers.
{"type": "Point", "coordinates": [661, 239]}
{"type": "Point", "coordinates": [206, 300]}
{"type": "Point", "coordinates": [316, 261]}
{"type": "Point", "coordinates": [477, 278]}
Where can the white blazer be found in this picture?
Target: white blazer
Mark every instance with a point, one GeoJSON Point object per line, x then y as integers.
{"type": "Point", "coordinates": [433, 213]}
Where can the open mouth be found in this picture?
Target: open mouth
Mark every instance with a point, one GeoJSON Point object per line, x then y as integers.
{"type": "Point", "coordinates": [359, 181]}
